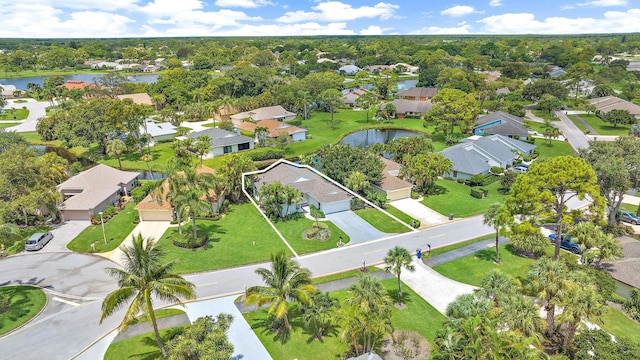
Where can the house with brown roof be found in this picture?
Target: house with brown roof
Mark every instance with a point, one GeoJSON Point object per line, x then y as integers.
{"type": "Point", "coordinates": [156, 206]}
{"type": "Point", "coordinates": [607, 103]}
{"type": "Point", "coordinates": [418, 94]}
{"type": "Point", "coordinates": [75, 84]}
{"type": "Point", "coordinates": [91, 191]}
{"type": "Point", "coordinates": [353, 95]}
{"type": "Point", "coordinates": [275, 128]}
{"type": "Point", "coordinates": [276, 112]}
{"type": "Point", "coordinates": [316, 189]}
{"type": "Point", "coordinates": [406, 108]}
{"type": "Point", "coordinates": [392, 185]}
{"type": "Point", "coordinates": [224, 113]}
{"type": "Point", "coordinates": [139, 98]}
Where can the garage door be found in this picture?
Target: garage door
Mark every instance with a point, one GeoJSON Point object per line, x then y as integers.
{"type": "Point", "coordinates": [330, 208]}
{"type": "Point", "coordinates": [76, 215]}
{"type": "Point", "coordinates": [399, 194]}
{"type": "Point", "coordinates": [147, 215]}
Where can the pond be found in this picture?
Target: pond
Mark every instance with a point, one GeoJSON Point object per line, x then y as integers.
{"type": "Point", "coordinates": [369, 137]}
{"type": "Point", "coordinates": [151, 175]}
{"type": "Point", "coordinates": [21, 83]}
{"type": "Point", "coordinates": [62, 152]}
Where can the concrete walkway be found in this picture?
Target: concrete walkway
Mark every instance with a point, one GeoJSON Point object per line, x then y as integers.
{"type": "Point", "coordinates": [417, 210]}
{"type": "Point", "coordinates": [630, 199]}
{"type": "Point", "coordinates": [461, 252]}
{"type": "Point", "coordinates": [149, 229]}
{"type": "Point", "coordinates": [37, 109]}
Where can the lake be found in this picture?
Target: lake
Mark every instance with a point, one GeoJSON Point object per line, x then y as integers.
{"type": "Point", "coordinates": [21, 83]}
{"type": "Point", "coordinates": [369, 137]}
{"type": "Point", "coordinates": [402, 85]}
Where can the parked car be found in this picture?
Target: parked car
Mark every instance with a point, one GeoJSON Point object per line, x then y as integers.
{"type": "Point", "coordinates": [566, 243]}
{"type": "Point", "coordinates": [520, 169]}
{"type": "Point", "coordinates": [37, 241]}
{"type": "Point", "coordinates": [628, 216]}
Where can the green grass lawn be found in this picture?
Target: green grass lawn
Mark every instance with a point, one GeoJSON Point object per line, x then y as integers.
{"type": "Point", "coordinates": [543, 114]}
{"type": "Point", "coordinates": [535, 126]}
{"type": "Point", "coordinates": [455, 198]}
{"type": "Point", "coordinates": [381, 221]}
{"type": "Point", "coordinates": [419, 316]}
{"type": "Point", "coordinates": [116, 229]}
{"type": "Point", "coordinates": [619, 325]}
{"type": "Point", "coordinates": [142, 346]}
{"type": "Point", "coordinates": [161, 153]}
{"type": "Point", "coordinates": [162, 313]}
{"type": "Point", "coordinates": [26, 303]}
{"type": "Point", "coordinates": [556, 148]}
{"type": "Point", "coordinates": [629, 207]}
{"type": "Point", "coordinates": [344, 275]}
{"type": "Point", "coordinates": [6, 124]}
{"type": "Point", "coordinates": [604, 128]}
{"type": "Point", "coordinates": [241, 237]}
{"type": "Point", "coordinates": [14, 114]}
{"type": "Point", "coordinates": [292, 231]}
{"type": "Point", "coordinates": [399, 214]}
{"type": "Point", "coordinates": [34, 138]}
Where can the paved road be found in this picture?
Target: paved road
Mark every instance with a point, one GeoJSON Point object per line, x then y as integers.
{"type": "Point", "coordinates": [80, 281]}
{"type": "Point", "coordinates": [355, 227]}
{"type": "Point", "coordinates": [37, 109]}
{"type": "Point", "coordinates": [576, 138]}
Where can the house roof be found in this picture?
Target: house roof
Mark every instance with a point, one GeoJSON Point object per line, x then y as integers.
{"type": "Point", "coordinates": [220, 137]}
{"type": "Point", "coordinates": [75, 84]}
{"type": "Point", "coordinates": [608, 103]}
{"type": "Point", "coordinates": [95, 185]}
{"type": "Point", "coordinates": [305, 180]}
{"type": "Point", "coordinates": [275, 127]}
{"type": "Point", "coordinates": [419, 92]}
{"type": "Point", "coordinates": [139, 98]}
{"type": "Point", "coordinates": [349, 68]}
{"type": "Point", "coordinates": [509, 124]}
{"type": "Point", "coordinates": [473, 154]}
{"type": "Point", "coordinates": [626, 269]}
{"type": "Point", "coordinates": [158, 129]}
{"type": "Point", "coordinates": [390, 176]}
{"type": "Point", "coordinates": [367, 356]}
{"type": "Point", "coordinates": [410, 106]}
{"type": "Point", "coordinates": [270, 112]}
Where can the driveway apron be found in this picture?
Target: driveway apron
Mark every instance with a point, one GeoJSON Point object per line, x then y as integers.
{"type": "Point", "coordinates": [357, 228]}
{"type": "Point", "coordinates": [63, 234]}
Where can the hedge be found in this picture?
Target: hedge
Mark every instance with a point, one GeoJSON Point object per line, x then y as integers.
{"type": "Point", "coordinates": [479, 193]}
{"type": "Point", "coordinates": [266, 154]}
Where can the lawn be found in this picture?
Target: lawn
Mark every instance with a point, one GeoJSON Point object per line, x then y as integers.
{"type": "Point", "coordinates": [419, 316]}
{"type": "Point", "coordinates": [543, 114]}
{"type": "Point", "coordinates": [241, 237]}
{"type": "Point", "coordinates": [117, 229]}
{"type": "Point", "coordinates": [14, 114]}
{"type": "Point", "coordinates": [6, 124]}
{"type": "Point", "coordinates": [604, 128]}
{"type": "Point", "coordinates": [381, 221]}
{"type": "Point", "coordinates": [161, 153]}
{"type": "Point", "coordinates": [535, 126]}
{"type": "Point", "coordinates": [344, 275]}
{"type": "Point", "coordinates": [618, 324]}
{"type": "Point", "coordinates": [445, 249]}
{"type": "Point", "coordinates": [399, 214]}
{"type": "Point", "coordinates": [629, 207]}
{"type": "Point", "coordinates": [455, 198]}
{"type": "Point", "coordinates": [162, 313]}
{"type": "Point", "coordinates": [556, 148]}
{"type": "Point", "coordinates": [292, 231]}
{"type": "Point", "coordinates": [34, 138]}
{"type": "Point", "coordinates": [142, 346]}
{"type": "Point", "coordinates": [26, 303]}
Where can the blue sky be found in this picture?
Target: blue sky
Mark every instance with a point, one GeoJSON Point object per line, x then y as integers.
{"type": "Point", "coordinates": [144, 18]}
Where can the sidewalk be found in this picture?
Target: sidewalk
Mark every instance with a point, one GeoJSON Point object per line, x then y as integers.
{"type": "Point", "coordinates": [461, 252]}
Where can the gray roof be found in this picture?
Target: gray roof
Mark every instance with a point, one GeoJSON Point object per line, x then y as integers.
{"type": "Point", "coordinates": [269, 112]}
{"type": "Point", "coordinates": [220, 137]}
{"type": "Point", "coordinates": [510, 124]}
{"type": "Point", "coordinates": [419, 92]}
{"type": "Point", "coordinates": [95, 185]}
{"type": "Point", "coordinates": [626, 269]}
{"type": "Point", "coordinates": [608, 103]}
{"type": "Point", "coordinates": [409, 106]}
{"type": "Point", "coordinates": [349, 69]}
{"type": "Point", "coordinates": [367, 356]}
{"type": "Point", "coordinates": [304, 180]}
{"type": "Point", "coordinates": [158, 129]}
{"type": "Point", "coordinates": [472, 156]}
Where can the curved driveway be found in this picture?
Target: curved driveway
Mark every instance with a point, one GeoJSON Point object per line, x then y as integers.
{"type": "Point", "coordinates": [37, 109]}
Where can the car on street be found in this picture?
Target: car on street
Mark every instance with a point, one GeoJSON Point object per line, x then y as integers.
{"type": "Point", "coordinates": [566, 243]}
{"type": "Point", "coordinates": [37, 241]}
{"type": "Point", "coordinates": [628, 216]}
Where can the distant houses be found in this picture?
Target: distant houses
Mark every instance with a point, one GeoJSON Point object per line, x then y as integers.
{"type": "Point", "coordinates": [350, 98]}
{"type": "Point", "coordinates": [607, 103]}
{"type": "Point", "coordinates": [158, 132]}
{"type": "Point", "coordinates": [418, 94]}
{"type": "Point", "coordinates": [139, 98]}
{"type": "Point", "coordinates": [275, 128]}
{"type": "Point", "coordinates": [224, 142]}
{"type": "Point", "coordinates": [408, 108]}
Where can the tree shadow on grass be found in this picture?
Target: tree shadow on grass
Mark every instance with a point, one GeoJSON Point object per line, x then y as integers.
{"type": "Point", "coordinates": [150, 341]}
{"type": "Point", "coordinates": [393, 293]}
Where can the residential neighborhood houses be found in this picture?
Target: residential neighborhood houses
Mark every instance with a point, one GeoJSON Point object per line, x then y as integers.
{"type": "Point", "coordinates": [223, 141]}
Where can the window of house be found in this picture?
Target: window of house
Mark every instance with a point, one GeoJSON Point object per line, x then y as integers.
{"type": "Point", "coordinates": [227, 149]}
{"type": "Point", "coordinates": [244, 146]}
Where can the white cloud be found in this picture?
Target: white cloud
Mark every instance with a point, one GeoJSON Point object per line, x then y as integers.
{"type": "Point", "coordinates": [335, 11]}
{"type": "Point", "coordinates": [458, 10]}
{"type": "Point", "coordinates": [372, 30]}
{"type": "Point", "coordinates": [305, 29]}
{"type": "Point", "coordinates": [495, 3]}
{"type": "Point", "coordinates": [249, 4]}
{"type": "Point", "coordinates": [106, 5]}
{"type": "Point", "coordinates": [162, 8]}
{"type": "Point", "coordinates": [526, 23]}
{"type": "Point", "coordinates": [436, 30]}
{"type": "Point", "coordinates": [604, 3]}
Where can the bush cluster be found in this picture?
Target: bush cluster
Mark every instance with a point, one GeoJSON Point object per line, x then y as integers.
{"type": "Point", "coordinates": [266, 154]}
{"type": "Point", "coordinates": [479, 193]}
{"type": "Point", "coordinates": [186, 240]}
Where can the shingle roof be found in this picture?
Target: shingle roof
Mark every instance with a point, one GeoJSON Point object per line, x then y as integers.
{"type": "Point", "coordinates": [390, 180]}
{"type": "Point", "coordinates": [512, 125]}
{"type": "Point", "coordinates": [139, 98]}
{"type": "Point", "coordinates": [473, 155]}
{"type": "Point", "coordinates": [158, 129]}
{"type": "Point", "coordinates": [409, 106]}
{"type": "Point", "coordinates": [270, 112]}
{"type": "Point", "coordinates": [220, 137]}
{"type": "Point", "coordinates": [304, 180]}
{"type": "Point", "coordinates": [626, 269]}
{"type": "Point", "coordinates": [275, 127]}
{"type": "Point", "coordinates": [608, 103]}
{"type": "Point", "coordinates": [95, 185]}
{"type": "Point", "coordinates": [419, 92]}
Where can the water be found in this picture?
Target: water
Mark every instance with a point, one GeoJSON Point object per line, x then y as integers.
{"type": "Point", "coordinates": [21, 83]}
{"type": "Point", "coordinates": [402, 85]}
{"type": "Point", "coordinates": [369, 137]}
{"type": "Point", "coordinates": [152, 175]}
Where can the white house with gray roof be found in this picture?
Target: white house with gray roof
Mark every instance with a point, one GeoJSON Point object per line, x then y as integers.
{"type": "Point", "coordinates": [91, 191]}
{"type": "Point", "coordinates": [476, 154]}
{"type": "Point", "coordinates": [224, 142]}
{"type": "Point", "coordinates": [316, 190]}
{"type": "Point", "coordinates": [158, 131]}
{"type": "Point", "coordinates": [276, 112]}
{"type": "Point", "coordinates": [500, 123]}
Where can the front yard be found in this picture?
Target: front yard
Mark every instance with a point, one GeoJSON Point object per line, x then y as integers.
{"type": "Point", "coordinates": [292, 231]}
{"type": "Point", "coordinates": [604, 128]}
{"type": "Point", "coordinates": [454, 198]}
{"type": "Point", "coordinates": [117, 229]}
{"type": "Point", "coordinates": [382, 222]}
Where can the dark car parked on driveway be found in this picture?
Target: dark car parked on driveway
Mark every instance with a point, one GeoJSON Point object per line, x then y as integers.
{"type": "Point", "coordinates": [566, 243]}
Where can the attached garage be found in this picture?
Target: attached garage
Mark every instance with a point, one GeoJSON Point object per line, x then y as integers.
{"type": "Point", "coordinates": [392, 185]}
{"type": "Point", "coordinates": [336, 206]}
{"type": "Point", "coordinates": [155, 215]}
{"type": "Point", "coordinates": [68, 215]}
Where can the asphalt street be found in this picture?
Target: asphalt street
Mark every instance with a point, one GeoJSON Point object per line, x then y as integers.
{"type": "Point", "coordinates": [576, 138]}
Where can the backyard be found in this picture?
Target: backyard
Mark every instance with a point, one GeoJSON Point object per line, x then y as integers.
{"type": "Point", "coordinates": [454, 198]}
{"type": "Point", "coordinates": [116, 230]}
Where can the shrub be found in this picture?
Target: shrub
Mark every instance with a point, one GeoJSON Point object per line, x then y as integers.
{"type": "Point", "coordinates": [507, 179]}
{"type": "Point", "coordinates": [496, 170]}
{"type": "Point", "coordinates": [295, 122]}
{"type": "Point", "coordinates": [5, 303]}
{"type": "Point", "coordinates": [247, 133]}
{"type": "Point", "coordinates": [142, 191]}
{"type": "Point", "coordinates": [460, 181]}
{"type": "Point", "coordinates": [632, 306]}
{"type": "Point", "coordinates": [226, 125]}
{"type": "Point", "coordinates": [357, 204]}
{"type": "Point", "coordinates": [186, 240]}
{"type": "Point", "coordinates": [377, 198]}
{"type": "Point", "coordinates": [477, 180]}
{"type": "Point", "coordinates": [266, 154]}
{"type": "Point", "coordinates": [415, 195]}
{"type": "Point", "coordinates": [478, 193]}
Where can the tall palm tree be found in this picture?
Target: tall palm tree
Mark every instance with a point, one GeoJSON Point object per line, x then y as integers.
{"type": "Point", "coordinates": [580, 302]}
{"type": "Point", "coordinates": [493, 218]}
{"type": "Point", "coordinates": [116, 148]}
{"type": "Point", "coordinates": [144, 277]}
{"type": "Point", "coordinates": [203, 145]}
{"type": "Point", "coordinates": [148, 158]}
{"type": "Point", "coordinates": [357, 182]}
{"type": "Point", "coordinates": [190, 199]}
{"type": "Point", "coordinates": [548, 280]}
{"type": "Point", "coordinates": [396, 259]}
{"type": "Point", "coordinates": [285, 281]}
{"type": "Point", "coordinates": [520, 314]}
{"type": "Point", "coordinates": [291, 196]}
{"type": "Point", "coordinates": [496, 286]}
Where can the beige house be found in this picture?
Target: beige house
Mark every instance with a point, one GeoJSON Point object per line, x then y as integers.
{"type": "Point", "coordinates": [271, 112]}
{"type": "Point", "coordinates": [91, 191]}
{"type": "Point", "coordinates": [392, 185]}
{"type": "Point", "coordinates": [608, 103]}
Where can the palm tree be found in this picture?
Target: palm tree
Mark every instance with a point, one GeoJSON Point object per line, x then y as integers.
{"type": "Point", "coordinates": [203, 145]}
{"type": "Point", "coordinates": [520, 314]}
{"type": "Point", "coordinates": [190, 198]}
{"type": "Point", "coordinates": [148, 158]}
{"type": "Point", "coordinates": [396, 259]}
{"type": "Point", "coordinates": [144, 277]}
{"type": "Point", "coordinates": [493, 218]}
{"type": "Point", "coordinates": [357, 182]}
{"type": "Point", "coordinates": [291, 196]}
{"type": "Point", "coordinates": [580, 302]}
{"type": "Point", "coordinates": [496, 286]}
{"type": "Point", "coordinates": [548, 280]}
{"type": "Point", "coordinates": [467, 306]}
{"type": "Point", "coordinates": [116, 148]}
{"type": "Point", "coordinates": [286, 280]}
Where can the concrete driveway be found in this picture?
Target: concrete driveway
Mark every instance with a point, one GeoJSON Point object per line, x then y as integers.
{"type": "Point", "coordinates": [417, 210]}
{"type": "Point", "coordinates": [37, 109]}
{"type": "Point", "coordinates": [359, 231]}
{"type": "Point", "coordinates": [63, 234]}
{"type": "Point", "coordinates": [148, 229]}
